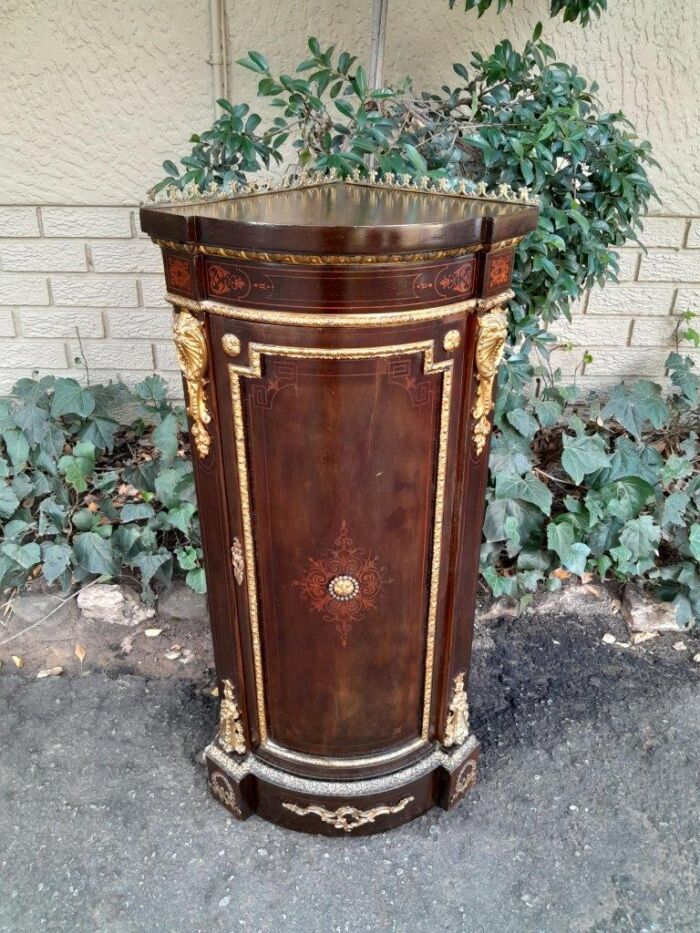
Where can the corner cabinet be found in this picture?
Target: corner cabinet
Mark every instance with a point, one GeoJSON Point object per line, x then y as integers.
{"type": "Point", "coordinates": [339, 345]}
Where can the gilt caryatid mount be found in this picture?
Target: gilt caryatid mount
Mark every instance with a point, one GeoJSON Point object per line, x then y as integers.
{"type": "Point", "coordinates": [339, 345]}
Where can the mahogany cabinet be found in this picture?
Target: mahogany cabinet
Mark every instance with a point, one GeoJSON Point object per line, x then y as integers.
{"type": "Point", "coordinates": [339, 343]}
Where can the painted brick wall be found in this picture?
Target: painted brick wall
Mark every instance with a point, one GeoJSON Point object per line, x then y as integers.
{"type": "Point", "coordinates": [81, 283]}
{"type": "Point", "coordinates": [630, 328]}
{"type": "Point", "coordinates": [98, 94]}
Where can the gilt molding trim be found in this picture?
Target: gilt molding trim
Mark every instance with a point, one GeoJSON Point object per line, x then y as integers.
{"type": "Point", "coordinates": [239, 768]}
{"type": "Point", "coordinates": [457, 724]}
{"type": "Point", "coordinates": [231, 736]}
{"type": "Point", "coordinates": [493, 329]}
{"type": "Point", "coordinates": [193, 356]}
{"type": "Point", "coordinates": [465, 781]}
{"type": "Point", "coordinates": [302, 319]}
{"type": "Point", "coordinates": [256, 352]}
{"type": "Point", "coordinates": [348, 818]}
{"type": "Point", "coordinates": [318, 259]}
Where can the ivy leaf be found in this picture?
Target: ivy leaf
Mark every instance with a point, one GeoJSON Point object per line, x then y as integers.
{"type": "Point", "coordinates": [9, 502]}
{"type": "Point", "coordinates": [17, 447]}
{"type": "Point", "coordinates": [529, 488]}
{"type": "Point", "coordinates": [100, 432]}
{"type": "Point", "coordinates": [151, 389]}
{"type": "Point", "coordinates": [165, 436]}
{"type": "Point", "coordinates": [70, 398]}
{"type": "Point", "coordinates": [151, 564]}
{"type": "Point", "coordinates": [56, 558]}
{"type": "Point", "coordinates": [187, 558]}
{"type": "Point", "coordinates": [626, 497]}
{"type": "Point", "coordinates": [136, 511]}
{"type": "Point", "coordinates": [641, 537]}
{"type": "Point", "coordinates": [52, 517]}
{"type": "Point", "coordinates": [572, 554]}
{"type": "Point", "coordinates": [181, 516]}
{"type": "Point", "coordinates": [26, 555]}
{"type": "Point", "coordinates": [523, 422]}
{"type": "Point", "coordinates": [548, 412]}
{"type": "Point", "coordinates": [635, 405]}
{"type": "Point", "coordinates": [33, 421]}
{"type": "Point", "coordinates": [78, 466]}
{"type": "Point", "coordinates": [527, 520]}
{"type": "Point", "coordinates": [674, 506]}
{"type": "Point", "coordinates": [94, 553]}
{"type": "Point", "coordinates": [583, 455]}
{"type": "Point", "coordinates": [196, 580]}
{"type": "Point", "coordinates": [694, 540]}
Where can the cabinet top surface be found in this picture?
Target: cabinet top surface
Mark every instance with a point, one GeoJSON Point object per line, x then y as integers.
{"type": "Point", "coordinates": [342, 218]}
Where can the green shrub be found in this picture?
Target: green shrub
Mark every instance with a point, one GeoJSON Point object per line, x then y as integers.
{"type": "Point", "coordinates": [605, 486]}
{"type": "Point", "coordinates": [96, 482]}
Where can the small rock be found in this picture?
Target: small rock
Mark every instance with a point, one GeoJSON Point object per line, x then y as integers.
{"type": "Point", "coordinates": [696, 658]}
{"type": "Point", "coordinates": [578, 599]}
{"type": "Point", "coordinates": [152, 632]}
{"type": "Point", "coordinates": [642, 613]}
{"type": "Point", "coordinates": [225, 901]}
{"type": "Point", "coordinates": [680, 646]}
{"type": "Point", "coordinates": [49, 672]}
{"type": "Point", "coordinates": [111, 602]}
{"type": "Point", "coordinates": [34, 606]}
{"type": "Point", "coordinates": [180, 603]}
{"type": "Point", "coordinates": [609, 639]}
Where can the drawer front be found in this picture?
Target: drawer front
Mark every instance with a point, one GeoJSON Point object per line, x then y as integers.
{"type": "Point", "coordinates": [336, 467]}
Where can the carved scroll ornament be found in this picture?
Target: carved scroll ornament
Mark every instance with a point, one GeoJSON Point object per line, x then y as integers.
{"type": "Point", "coordinates": [231, 737]}
{"type": "Point", "coordinates": [193, 356]}
{"type": "Point", "coordinates": [493, 328]}
{"type": "Point", "coordinates": [457, 725]}
{"type": "Point", "coordinates": [348, 818]}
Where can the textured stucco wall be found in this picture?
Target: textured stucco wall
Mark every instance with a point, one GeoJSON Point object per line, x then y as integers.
{"type": "Point", "coordinates": [96, 95]}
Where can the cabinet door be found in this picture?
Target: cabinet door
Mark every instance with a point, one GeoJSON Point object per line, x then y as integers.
{"type": "Point", "coordinates": [336, 450]}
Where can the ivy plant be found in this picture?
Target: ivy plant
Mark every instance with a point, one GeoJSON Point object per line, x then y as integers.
{"type": "Point", "coordinates": [605, 486]}
{"type": "Point", "coordinates": [96, 482]}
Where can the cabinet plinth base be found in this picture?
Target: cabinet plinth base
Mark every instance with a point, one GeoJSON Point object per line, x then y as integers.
{"type": "Point", "coordinates": [246, 785]}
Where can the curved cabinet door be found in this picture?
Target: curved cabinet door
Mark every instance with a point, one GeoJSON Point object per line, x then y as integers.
{"type": "Point", "coordinates": [336, 466]}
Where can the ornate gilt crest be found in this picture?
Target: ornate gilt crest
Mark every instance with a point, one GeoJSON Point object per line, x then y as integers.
{"type": "Point", "coordinates": [493, 328]}
{"type": "Point", "coordinates": [193, 356]}
{"type": "Point", "coordinates": [348, 818]}
{"type": "Point", "coordinates": [231, 737]}
{"type": "Point", "coordinates": [237, 560]}
{"type": "Point", "coordinates": [457, 725]}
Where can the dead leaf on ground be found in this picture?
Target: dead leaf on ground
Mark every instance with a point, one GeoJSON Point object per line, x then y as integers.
{"type": "Point", "coordinates": [18, 662]}
{"type": "Point", "coordinates": [172, 655]}
{"type": "Point", "coordinates": [80, 651]}
{"type": "Point", "coordinates": [639, 637]}
{"type": "Point", "coordinates": [560, 574]}
{"type": "Point", "coordinates": [49, 672]}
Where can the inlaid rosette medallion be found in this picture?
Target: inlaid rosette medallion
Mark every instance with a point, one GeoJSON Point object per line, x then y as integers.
{"type": "Point", "coordinates": [343, 584]}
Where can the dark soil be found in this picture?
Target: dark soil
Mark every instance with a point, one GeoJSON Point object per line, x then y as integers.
{"type": "Point", "coordinates": [584, 817]}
